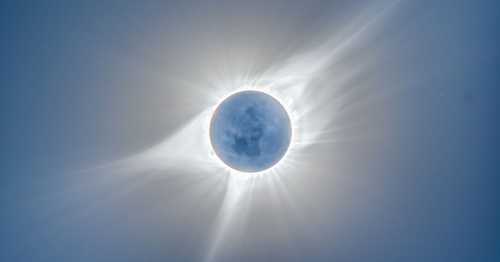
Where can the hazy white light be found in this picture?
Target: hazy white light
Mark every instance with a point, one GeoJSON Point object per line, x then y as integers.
{"type": "Point", "coordinates": [311, 112]}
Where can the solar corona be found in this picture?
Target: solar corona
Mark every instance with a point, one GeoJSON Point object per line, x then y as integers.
{"type": "Point", "coordinates": [248, 131]}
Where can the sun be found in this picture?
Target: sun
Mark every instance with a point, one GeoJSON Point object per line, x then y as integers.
{"type": "Point", "coordinates": [283, 162]}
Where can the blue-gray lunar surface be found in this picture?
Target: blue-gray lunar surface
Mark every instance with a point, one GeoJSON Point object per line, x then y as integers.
{"type": "Point", "coordinates": [250, 131]}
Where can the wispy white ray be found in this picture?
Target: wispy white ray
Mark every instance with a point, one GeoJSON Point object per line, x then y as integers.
{"type": "Point", "coordinates": [237, 189]}
{"type": "Point", "coordinates": [315, 108]}
{"type": "Point", "coordinates": [189, 144]}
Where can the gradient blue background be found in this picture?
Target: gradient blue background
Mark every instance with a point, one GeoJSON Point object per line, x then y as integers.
{"type": "Point", "coordinates": [74, 93]}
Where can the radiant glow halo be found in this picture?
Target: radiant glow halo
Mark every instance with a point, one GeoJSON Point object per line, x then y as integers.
{"type": "Point", "coordinates": [281, 165]}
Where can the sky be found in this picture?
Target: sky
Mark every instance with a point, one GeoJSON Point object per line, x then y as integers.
{"type": "Point", "coordinates": [394, 107]}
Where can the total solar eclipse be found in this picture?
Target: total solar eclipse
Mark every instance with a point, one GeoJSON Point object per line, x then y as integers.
{"type": "Point", "coordinates": [250, 131]}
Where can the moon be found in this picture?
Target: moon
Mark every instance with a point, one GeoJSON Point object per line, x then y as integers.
{"type": "Point", "coordinates": [250, 131]}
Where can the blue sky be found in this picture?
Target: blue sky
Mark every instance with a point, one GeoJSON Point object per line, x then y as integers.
{"type": "Point", "coordinates": [412, 174]}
